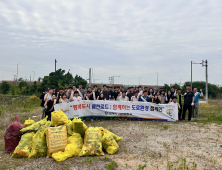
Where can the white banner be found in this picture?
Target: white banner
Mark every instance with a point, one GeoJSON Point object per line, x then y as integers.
{"type": "Point", "coordinates": [119, 109]}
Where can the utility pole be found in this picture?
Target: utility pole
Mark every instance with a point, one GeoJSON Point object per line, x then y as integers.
{"type": "Point", "coordinates": [192, 72]}
{"type": "Point", "coordinates": [191, 75]}
{"type": "Point", "coordinates": [55, 74]}
{"type": "Point", "coordinates": [89, 77]}
{"type": "Point", "coordinates": [206, 90]}
{"type": "Point", "coordinates": [17, 74]}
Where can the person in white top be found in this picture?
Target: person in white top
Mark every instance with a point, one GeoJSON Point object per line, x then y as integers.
{"type": "Point", "coordinates": [140, 90]}
{"type": "Point", "coordinates": [123, 97]}
{"type": "Point", "coordinates": [174, 101]}
{"type": "Point", "coordinates": [76, 96]}
{"type": "Point", "coordinates": [135, 98]}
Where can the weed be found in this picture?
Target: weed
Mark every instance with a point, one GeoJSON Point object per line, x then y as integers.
{"type": "Point", "coordinates": [165, 127]}
{"type": "Point", "coordinates": [111, 165]}
{"type": "Point", "coordinates": [141, 167]}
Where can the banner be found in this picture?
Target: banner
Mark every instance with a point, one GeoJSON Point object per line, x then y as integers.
{"type": "Point", "coordinates": [119, 109]}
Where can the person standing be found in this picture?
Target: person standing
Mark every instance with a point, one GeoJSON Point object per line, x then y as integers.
{"type": "Point", "coordinates": [180, 101]}
{"type": "Point", "coordinates": [105, 92]}
{"type": "Point", "coordinates": [145, 97]}
{"type": "Point", "coordinates": [131, 93]}
{"type": "Point", "coordinates": [173, 92]}
{"type": "Point", "coordinates": [49, 103]}
{"type": "Point", "coordinates": [59, 94]}
{"type": "Point", "coordinates": [110, 92]}
{"type": "Point", "coordinates": [42, 103]}
{"type": "Point", "coordinates": [188, 102]}
{"type": "Point", "coordinates": [115, 93]}
{"type": "Point", "coordinates": [81, 91]}
{"type": "Point", "coordinates": [135, 98]}
{"type": "Point", "coordinates": [123, 97]}
{"type": "Point", "coordinates": [196, 102]}
{"type": "Point", "coordinates": [163, 97]}
{"type": "Point", "coordinates": [95, 92]}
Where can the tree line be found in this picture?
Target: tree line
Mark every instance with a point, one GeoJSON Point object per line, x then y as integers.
{"type": "Point", "coordinates": [63, 80]}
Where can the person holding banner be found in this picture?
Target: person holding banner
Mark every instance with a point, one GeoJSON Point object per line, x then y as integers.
{"type": "Point", "coordinates": [135, 98]}
{"type": "Point", "coordinates": [101, 97]}
{"type": "Point", "coordinates": [88, 96]}
{"type": "Point", "coordinates": [76, 96]}
{"type": "Point", "coordinates": [144, 98]}
{"type": "Point", "coordinates": [59, 94]}
{"type": "Point", "coordinates": [155, 99]}
{"type": "Point", "coordinates": [123, 97]}
{"type": "Point", "coordinates": [115, 93]}
{"type": "Point", "coordinates": [140, 90]}
{"type": "Point", "coordinates": [63, 99]}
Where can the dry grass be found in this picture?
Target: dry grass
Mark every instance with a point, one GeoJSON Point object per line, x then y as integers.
{"type": "Point", "coordinates": [145, 144]}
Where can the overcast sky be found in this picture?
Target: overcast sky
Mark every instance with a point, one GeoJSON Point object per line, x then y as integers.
{"type": "Point", "coordinates": [127, 38]}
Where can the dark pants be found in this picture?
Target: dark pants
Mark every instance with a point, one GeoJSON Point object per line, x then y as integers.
{"type": "Point", "coordinates": [180, 112]}
{"type": "Point", "coordinates": [49, 115]}
{"type": "Point", "coordinates": [185, 108]}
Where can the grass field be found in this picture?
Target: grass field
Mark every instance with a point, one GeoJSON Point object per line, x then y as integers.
{"type": "Point", "coordinates": [145, 144]}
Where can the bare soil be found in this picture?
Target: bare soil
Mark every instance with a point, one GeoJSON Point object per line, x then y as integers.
{"type": "Point", "coordinates": [149, 144]}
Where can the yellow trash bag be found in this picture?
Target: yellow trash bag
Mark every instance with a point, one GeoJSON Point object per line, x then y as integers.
{"type": "Point", "coordinates": [25, 145]}
{"type": "Point", "coordinates": [56, 139]}
{"type": "Point", "coordinates": [117, 138]}
{"type": "Point", "coordinates": [73, 148]}
{"type": "Point", "coordinates": [79, 126]}
{"type": "Point", "coordinates": [59, 118]}
{"type": "Point", "coordinates": [36, 125]}
{"type": "Point", "coordinates": [69, 127]}
{"type": "Point", "coordinates": [92, 142]}
{"type": "Point", "coordinates": [109, 144]}
{"type": "Point", "coordinates": [28, 122]}
{"type": "Point", "coordinates": [39, 146]}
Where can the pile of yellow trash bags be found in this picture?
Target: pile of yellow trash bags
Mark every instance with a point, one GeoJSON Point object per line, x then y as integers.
{"type": "Point", "coordinates": [62, 138]}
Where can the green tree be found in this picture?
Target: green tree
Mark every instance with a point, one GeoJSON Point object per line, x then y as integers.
{"type": "Point", "coordinates": [166, 87]}
{"type": "Point", "coordinates": [213, 90]}
{"type": "Point", "coordinates": [177, 86]}
{"type": "Point", "coordinates": [23, 84]}
{"type": "Point", "coordinates": [5, 87]}
{"type": "Point", "coordinates": [20, 79]}
{"type": "Point", "coordinates": [79, 80]}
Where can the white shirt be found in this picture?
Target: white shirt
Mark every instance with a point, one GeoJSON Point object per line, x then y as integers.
{"type": "Point", "coordinates": [49, 96]}
{"type": "Point", "coordinates": [140, 93]}
{"type": "Point", "coordinates": [120, 98]}
{"type": "Point", "coordinates": [134, 99]}
{"type": "Point", "coordinates": [175, 104]}
{"type": "Point", "coordinates": [77, 98]}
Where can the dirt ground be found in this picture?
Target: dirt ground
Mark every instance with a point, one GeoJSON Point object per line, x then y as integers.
{"type": "Point", "coordinates": [146, 145]}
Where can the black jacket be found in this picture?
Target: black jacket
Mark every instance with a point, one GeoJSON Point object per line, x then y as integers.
{"type": "Point", "coordinates": [42, 98]}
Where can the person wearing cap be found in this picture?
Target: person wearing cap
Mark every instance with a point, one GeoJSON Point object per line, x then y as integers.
{"type": "Point", "coordinates": [135, 98]}
{"type": "Point", "coordinates": [105, 92]}
{"type": "Point", "coordinates": [145, 97]}
{"type": "Point", "coordinates": [115, 93]}
{"type": "Point", "coordinates": [42, 103]}
{"type": "Point", "coordinates": [180, 101]}
{"type": "Point", "coordinates": [188, 96]}
{"type": "Point", "coordinates": [123, 97]}
{"type": "Point", "coordinates": [173, 92]}
{"type": "Point", "coordinates": [196, 102]}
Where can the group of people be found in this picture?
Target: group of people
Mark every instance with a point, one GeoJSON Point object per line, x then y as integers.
{"type": "Point", "coordinates": [188, 100]}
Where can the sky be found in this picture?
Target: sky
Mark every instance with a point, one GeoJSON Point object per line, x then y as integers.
{"type": "Point", "coordinates": [127, 38]}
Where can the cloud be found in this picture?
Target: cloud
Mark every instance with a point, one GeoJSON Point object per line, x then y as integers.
{"type": "Point", "coordinates": [128, 38]}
